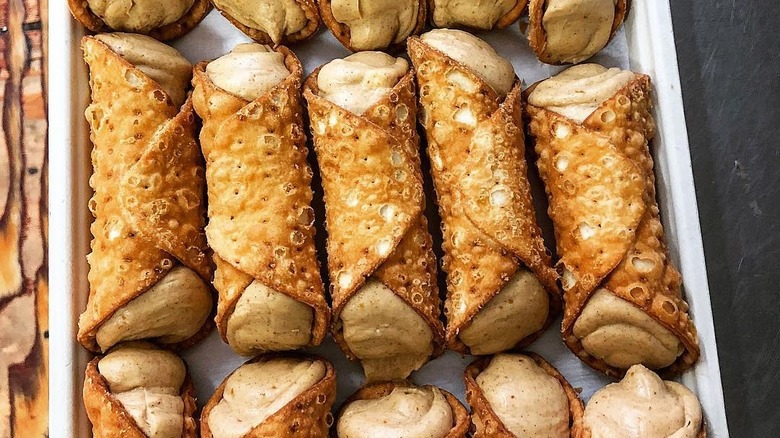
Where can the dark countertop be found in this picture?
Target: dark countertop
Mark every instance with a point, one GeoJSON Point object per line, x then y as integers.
{"type": "Point", "coordinates": [729, 56]}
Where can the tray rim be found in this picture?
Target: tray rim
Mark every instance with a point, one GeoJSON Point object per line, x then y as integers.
{"type": "Point", "coordinates": [651, 49]}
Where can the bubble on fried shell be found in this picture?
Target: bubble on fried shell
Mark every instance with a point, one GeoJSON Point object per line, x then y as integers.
{"type": "Point", "coordinates": [383, 247]}
{"type": "Point", "coordinates": [466, 116]}
{"type": "Point", "coordinates": [568, 280]}
{"type": "Point", "coordinates": [585, 231]}
{"type": "Point", "coordinates": [344, 279]}
{"type": "Point", "coordinates": [643, 265]}
{"type": "Point", "coordinates": [297, 238]}
{"type": "Point", "coordinates": [387, 211]}
{"type": "Point", "coordinates": [499, 196]}
{"type": "Point", "coordinates": [456, 77]}
{"type": "Point", "coordinates": [306, 216]}
{"type": "Point", "coordinates": [561, 130]}
{"type": "Point", "coordinates": [561, 163]}
{"type": "Point", "coordinates": [401, 112]}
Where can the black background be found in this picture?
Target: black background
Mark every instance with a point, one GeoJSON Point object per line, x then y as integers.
{"type": "Point", "coordinates": [729, 57]}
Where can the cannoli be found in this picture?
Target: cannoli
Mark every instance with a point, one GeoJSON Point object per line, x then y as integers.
{"type": "Point", "coordinates": [272, 21]}
{"type": "Point", "coordinates": [273, 396]}
{"type": "Point", "coordinates": [271, 296]}
{"type": "Point", "coordinates": [373, 24]}
{"type": "Point", "coordinates": [475, 14]}
{"type": "Point", "coordinates": [501, 288]}
{"type": "Point", "coordinates": [571, 31]}
{"type": "Point", "coordinates": [163, 20]}
{"type": "Point", "coordinates": [139, 391]}
{"type": "Point", "coordinates": [363, 113]}
{"type": "Point", "coordinates": [643, 405]}
{"type": "Point", "coordinates": [149, 272]}
{"type": "Point", "coordinates": [622, 295]}
{"type": "Point", "coordinates": [401, 409]}
{"type": "Point", "coordinates": [521, 395]}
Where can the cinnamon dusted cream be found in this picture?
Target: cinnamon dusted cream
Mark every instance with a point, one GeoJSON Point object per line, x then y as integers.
{"type": "Point", "coordinates": [360, 80]}
{"type": "Point", "coordinates": [147, 382]}
{"type": "Point", "coordinates": [376, 24]}
{"type": "Point", "coordinates": [621, 334]}
{"type": "Point", "coordinates": [139, 16]}
{"type": "Point", "coordinates": [643, 405]}
{"type": "Point", "coordinates": [519, 310]}
{"type": "Point", "coordinates": [476, 55]}
{"type": "Point", "coordinates": [527, 400]}
{"type": "Point", "coordinates": [256, 391]}
{"type": "Point", "coordinates": [408, 412]}
{"type": "Point", "coordinates": [277, 18]}
{"type": "Point", "coordinates": [248, 71]}
{"type": "Point", "coordinates": [164, 64]}
{"type": "Point", "coordinates": [388, 336]}
{"type": "Point", "coordinates": [267, 320]}
{"type": "Point", "coordinates": [578, 91]}
{"type": "Point", "coordinates": [577, 29]}
{"type": "Point", "coordinates": [171, 311]}
{"type": "Point", "coordinates": [478, 14]}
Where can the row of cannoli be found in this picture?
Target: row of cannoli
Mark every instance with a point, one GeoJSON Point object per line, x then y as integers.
{"type": "Point", "coordinates": [151, 270]}
{"type": "Point", "coordinates": [560, 31]}
{"type": "Point", "coordinates": [137, 390]}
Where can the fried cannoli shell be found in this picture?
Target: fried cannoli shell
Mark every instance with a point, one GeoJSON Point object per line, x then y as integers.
{"type": "Point", "coordinates": [110, 419]}
{"type": "Point", "coordinates": [484, 244]}
{"type": "Point", "coordinates": [267, 235]}
{"type": "Point", "coordinates": [306, 416]}
{"type": "Point", "coordinates": [374, 391]}
{"type": "Point", "coordinates": [385, 132]}
{"type": "Point", "coordinates": [197, 12]}
{"type": "Point", "coordinates": [151, 189]}
{"type": "Point", "coordinates": [537, 37]}
{"type": "Point", "coordinates": [312, 15]}
{"type": "Point", "coordinates": [617, 133]}
{"type": "Point", "coordinates": [504, 21]}
{"type": "Point", "coordinates": [342, 33]}
{"type": "Point", "coordinates": [484, 418]}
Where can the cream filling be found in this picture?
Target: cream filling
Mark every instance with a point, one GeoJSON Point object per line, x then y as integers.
{"type": "Point", "coordinates": [577, 29]}
{"type": "Point", "coordinates": [359, 81]}
{"type": "Point", "coordinates": [407, 412]}
{"type": "Point", "coordinates": [622, 335]}
{"type": "Point", "coordinates": [267, 320]}
{"type": "Point", "coordinates": [519, 310]}
{"type": "Point", "coordinates": [162, 63]}
{"type": "Point", "coordinates": [248, 71]}
{"type": "Point", "coordinates": [477, 55]}
{"type": "Point", "coordinates": [147, 382]}
{"type": "Point", "coordinates": [578, 91]}
{"type": "Point", "coordinates": [139, 16]}
{"type": "Point", "coordinates": [376, 24]}
{"type": "Point", "coordinates": [388, 336]}
{"type": "Point", "coordinates": [478, 14]}
{"type": "Point", "coordinates": [171, 311]}
{"type": "Point", "coordinates": [527, 400]}
{"type": "Point", "coordinates": [643, 405]}
{"type": "Point", "coordinates": [258, 390]}
{"type": "Point", "coordinates": [277, 18]}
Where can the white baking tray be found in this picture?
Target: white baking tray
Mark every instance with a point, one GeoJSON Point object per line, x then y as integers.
{"type": "Point", "coordinates": [646, 45]}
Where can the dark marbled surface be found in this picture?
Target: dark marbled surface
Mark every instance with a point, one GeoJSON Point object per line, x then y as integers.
{"type": "Point", "coordinates": [729, 56]}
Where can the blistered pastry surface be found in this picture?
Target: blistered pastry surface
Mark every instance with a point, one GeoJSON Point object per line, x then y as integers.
{"type": "Point", "coordinates": [374, 200]}
{"type": "Point", "coordinates": [144, 152]}
{"type": "Point", "coordinates": [463, 116]}
{"type": "Point", "coordinates": [260, 217]}
{"type": "Point", "coordinates": [626, 254]}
